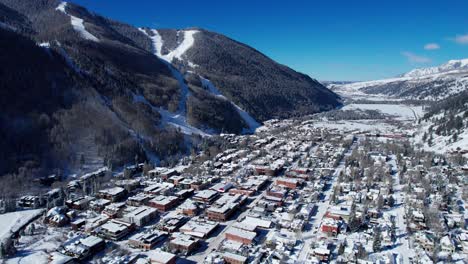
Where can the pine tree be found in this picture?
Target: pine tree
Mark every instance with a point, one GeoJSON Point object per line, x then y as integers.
{"type": "Point", "coordinates": [391, 201]}
{"type": "Point", "coordinates": [82, 161]}
{"type": "Point", "coordinates": [2, 251]}
{"type": "Point", "coordinates": [393, 230]}
{"type": "Point", "coordinates": [377, 244]}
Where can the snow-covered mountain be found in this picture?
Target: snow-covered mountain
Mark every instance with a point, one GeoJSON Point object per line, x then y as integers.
{"type": "Point", "coordinates": [432, 84]}
{"type": "Point", "coordinates": [106, 90]}
{"type": "Point", "coordinates": [451, 66]}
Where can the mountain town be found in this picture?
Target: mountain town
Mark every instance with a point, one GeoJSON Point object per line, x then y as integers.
{"type": "Point", "coordinates": [143, 145]}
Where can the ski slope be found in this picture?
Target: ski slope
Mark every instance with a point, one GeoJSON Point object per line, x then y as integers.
{"type": "Point", "coordinates": [77, 23]}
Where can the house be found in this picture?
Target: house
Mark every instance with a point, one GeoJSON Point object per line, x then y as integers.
{"type": "Point", "coordinates": [146, 240]}
{"type": "Point", "coordinates": [426, 241]}
{"type": "Point", "coordinates": [265, 170]}
{"type": "Point", "coordinates": [59, 258]}
{"type": "Point", "coordinates": [113, 194]}
{"type": "Point", "coordinates": [339, 212]}
{"type": "Point", "coordinates": [114, 230]}
{"type": "Point", "coordinates": [140, 216]}
{"type": "Point", "coordinates": [128, 184]}
{"type": "Point", "coordinates": [199, 185]}
{"type": "Point", "coordinates": [163, 203]}
{"type": "Point", "coordinates": [79, 203]}
{"type": "Point", "coordinates": [330, 226]}
{"type": "Point", "coordinates": [198, 228]}
{"type": "Point", "coordinates": [225, 206]}
{"type": "Point", "coordinates": [57, 217]}
{"type": "Point", "coordinates": [276, 195]}
{"type": "Point", "coordinates": [139, 199]}
{"type": "Point", "coordinates": [184, 194]}
{"type": "Point", "coordinates": [176, 179]}
{"type": "Point", "coordinates": [222, 187]}
{"type": "Point", "coordinates": [114, 210]}
{"type": "Point", "coordinates": [289, 183]}
{"type": "Point", "coordinates": [29, 201]}
{"type": "Point", "coordinates": [161, 257]}
{"type": "Point", "coordinates": [321, 253]}
{"type": "Point", "coordinates": [241, 236]}
{"type": "Point", "coordinates": [206, 196]}
{"type": "Point", "coordinates": [99, 204]}
{"type": "Point", "coordinates": [159, 188]}
{"type": "Point", "coordinates": [83, 248]}
{"type": "Point", "coordinates": [257, 222]}
{"type": "Point", "coordinates": [172, 222]}
{"type": "Point", "coordinates": [183, 243]}
{"type": "Point", "coordinates": [77, 224]}
{"type": "Point", "coordinates": [188, 208]}
{"type": "Point", "coordinates": [93, 223]}
{"type": "Point", "coordinates": [232, 258]}
{"type": "Point", "coordinates": [446, 245]}
{"type": "Point", "coordinates": [250, 186]}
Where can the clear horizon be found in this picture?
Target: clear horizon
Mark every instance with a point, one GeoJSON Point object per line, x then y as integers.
{"type": "Point", "coordinates": [333, 41]}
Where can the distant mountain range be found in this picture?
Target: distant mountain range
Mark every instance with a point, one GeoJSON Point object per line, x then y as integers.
{"type": "Point", "coordinates": [452, 66]}
{"type": "Point", "coordinates": [81, 90]}
{"type": "Point", "coordinates": [431, 84]}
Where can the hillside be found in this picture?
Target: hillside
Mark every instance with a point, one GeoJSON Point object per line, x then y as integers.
{"type": "Point", "coordinates": [428, 84]}
{"type": "Point", "coordinates": [244, 76]}
{"type": "Point", "coordinates": [84, 90]}
{"type": "Point", "coordinates": [444, 128]}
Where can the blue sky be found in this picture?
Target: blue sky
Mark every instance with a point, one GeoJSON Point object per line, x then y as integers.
{"type": "Point", "coordinates": [329, 40]}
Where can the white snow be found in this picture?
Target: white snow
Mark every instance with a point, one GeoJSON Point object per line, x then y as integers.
{"type": "Point", "coordinates": [178, 52]}
{"type": "Point", "coordinates": [249, 120]}
{"type": "Point", "coordinates": [451, 65]}
{"type": "Point", "coordinates": [12, 222]}
{"type": "Point", "coordinates": [442, 144]}
{"type": "Point", "coordinates": [401, 111]}
{"type": "Point", "coordinates": [61, 7]}
{"type": "Point", "coordinates": [44, 45]}
{"type": "Point", "coordinates": [176, 120]}
{"type": "Point", "coordinates": [77, 23]}
{"type": "Point", "coordinates": [186, 44]}
{"type": "Point", "coordinates": [438, 83]}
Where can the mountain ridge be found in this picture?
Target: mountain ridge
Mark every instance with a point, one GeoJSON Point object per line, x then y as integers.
{"type": "Point", "coordinates": [122, 100]}
{"type": "Point", "coordinates": [429, 84]}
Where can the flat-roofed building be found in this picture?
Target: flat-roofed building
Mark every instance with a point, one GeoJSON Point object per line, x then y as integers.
{"type": "Point", "coordinates": [83, 248]}
{"type": "Point", "coordinates": [161, 257]}
{"type": "Point", "coordinates": [225, 207]}
{"type": "Point", "coordinates": [184, 194]}
{"type": "Point", "coordinates": [99, 204]}
{"type": "Point", "coordinates": [114, 210]}
{"type": "Point", "coordinates": [140, 216]}
{"type": "Point", "coordinates": [222, 187]}
{"type": "Point", "coordinates": [147, 240]}
{"type": "Point", "coordinates": [290, 183]}
{"type": "Point", "coordinates": [231, 258]}
{"type": "Point", "coordinates": [113, 194]}
{"type": "Point", "coordinates": [159, 188]}
{"type": "Point", "coordinates": [241, 236]}
{"type": "Point", "coordinates": [199, 228]}
{"type": "Point", "coordinates": [183, 243]}
{"type": "Point", "coordinates": [114, 230]}
{"type": "Point", "coordinates": [172, 222]}
{"type": "Point", "coordinates": [163, 203]}
{"type": "Point", "coordinates": [189, 208]}
{"type": "Point", "coordinates": [206, 196]}
{"type": "Point", "coordinates": [139, 199]}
